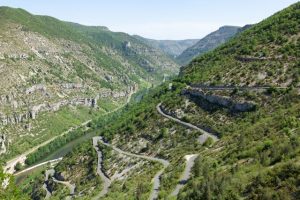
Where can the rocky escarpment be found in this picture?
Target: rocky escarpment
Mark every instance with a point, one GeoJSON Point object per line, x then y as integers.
{"type": "Point", "coordinates": [34, 88]}
{"type": "Point", "coordinates": [2, 144]}
{"type": "Point", "coordinates": [222, 101]}
{"type": "Point", "coordinates": [33, 111]}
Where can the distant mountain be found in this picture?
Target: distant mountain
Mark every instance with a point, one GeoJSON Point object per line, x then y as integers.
{"type": "Point", "coordinates": [172, 48]}
{"type": "Point", "coordinates": [208, 43]}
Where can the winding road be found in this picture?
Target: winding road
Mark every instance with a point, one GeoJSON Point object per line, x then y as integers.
{"type": "Point", "coordinates": [55, 161]}
{"type": "Point", "coordinates": [190, 161]}
{"type": "Point", "coordinates": [69, 185]}
{"type": "Point", "coordinates": [156, 179]}
{"type": "Point", "coordinates": [21, 158]}
{"type": "Point", "coordinates": [48, 173]}
{"type": "Point", "coordinates": [224, 87]}
{"type": "Point", "coordinates": [204, 135]}
{"type": "Point", "coordinates": [105, 179]}
{"type": "Point", "coordinates": [10, 165]}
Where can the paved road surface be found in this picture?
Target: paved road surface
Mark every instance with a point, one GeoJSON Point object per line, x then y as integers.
{"type": "Point", "coordinates": [105, 179]}
{"type": "Point", "coordinates": [156, 179]}
{"type": "Point", "coordinates": [204, 135]}
{"type": "Point", "coordinates": [255, 88]}
{"type": "Point", "coordinates": [190, 161]}
{"type": "Point", "coordinates": [39, 165]}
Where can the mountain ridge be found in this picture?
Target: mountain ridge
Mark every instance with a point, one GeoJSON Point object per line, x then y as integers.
{"type": "Point", "coordinates": [208, 43]}
{"type": "Point", "coordinates": [171, 47]}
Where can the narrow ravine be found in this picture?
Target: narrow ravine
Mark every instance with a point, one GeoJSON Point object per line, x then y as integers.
{"type": "Point", "coordinates": [156, 179]}
{"type": "Point", "coordinates": [190, 161]}
{"type": "Point", "coordinates": [204, 135]}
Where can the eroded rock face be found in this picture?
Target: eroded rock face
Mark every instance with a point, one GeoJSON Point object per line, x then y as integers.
{"type": "Point", "coordinates": [2, 144]}
{"type": "Point", "coordinates": [36, 109]}
{"type": "Point", "coordinates": [89, 102]}
{"type": "Point", "coordinates": [69, 86]}
{"type": "Point", "coordinates": [16, 118]}
{"type": "Point", "coordinates": [222, 101]}
{"type": "Point", "coordinates": [39, 87]}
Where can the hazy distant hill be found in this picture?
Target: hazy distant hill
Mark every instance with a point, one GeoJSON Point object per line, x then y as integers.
{"type": "Point", "coordinates": [208, 43]}
{"type": "Point", "coordinates": [171, 47]}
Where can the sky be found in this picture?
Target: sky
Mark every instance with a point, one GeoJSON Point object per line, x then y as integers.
{"type": "Point", "coordinates": [157, 19]}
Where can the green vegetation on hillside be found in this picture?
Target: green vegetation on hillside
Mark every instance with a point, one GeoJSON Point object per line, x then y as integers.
{"type": "Point", "coordinates": [258, 154]}
{"type": "Point", "coordinates": [11, 192]}
{"type": "Point", "coordinates": [253, 158]}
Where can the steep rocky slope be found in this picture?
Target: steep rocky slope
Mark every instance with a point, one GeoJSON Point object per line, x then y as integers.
{"type": "Point", "coordinates": [255, 151]}
{"type": "Point", "coordinates": [208, 43]}
{"type": "Point", "coordinates": [172, 48]}
{"type": "Point", "coordinates": [56, 74]}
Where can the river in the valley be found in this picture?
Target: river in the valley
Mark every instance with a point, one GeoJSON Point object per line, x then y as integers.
{"type": "Point", "coordinates": [61, 152]}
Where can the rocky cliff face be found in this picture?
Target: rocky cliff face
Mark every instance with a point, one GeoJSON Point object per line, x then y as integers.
{"type": "Point", "coordinates": [2, 144]}
{"type": "Point", "coordinates": [33, 111]}
{"type": "Point", "coordinates": [223, 101]}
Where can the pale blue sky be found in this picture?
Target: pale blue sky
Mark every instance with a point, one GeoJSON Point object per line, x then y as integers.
{"type": "Point", "coordinates": [158, 19]}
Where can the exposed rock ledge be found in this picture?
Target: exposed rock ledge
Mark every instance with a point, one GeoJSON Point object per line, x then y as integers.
{"type": "Point", "coordinates": [34, 88]}
{"type": "Point", "coordinates": [2, 144]}
{"type": "Point", "coordinates": [223, 101]}
{"type": "Point", "coordinates": [32, 113]}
